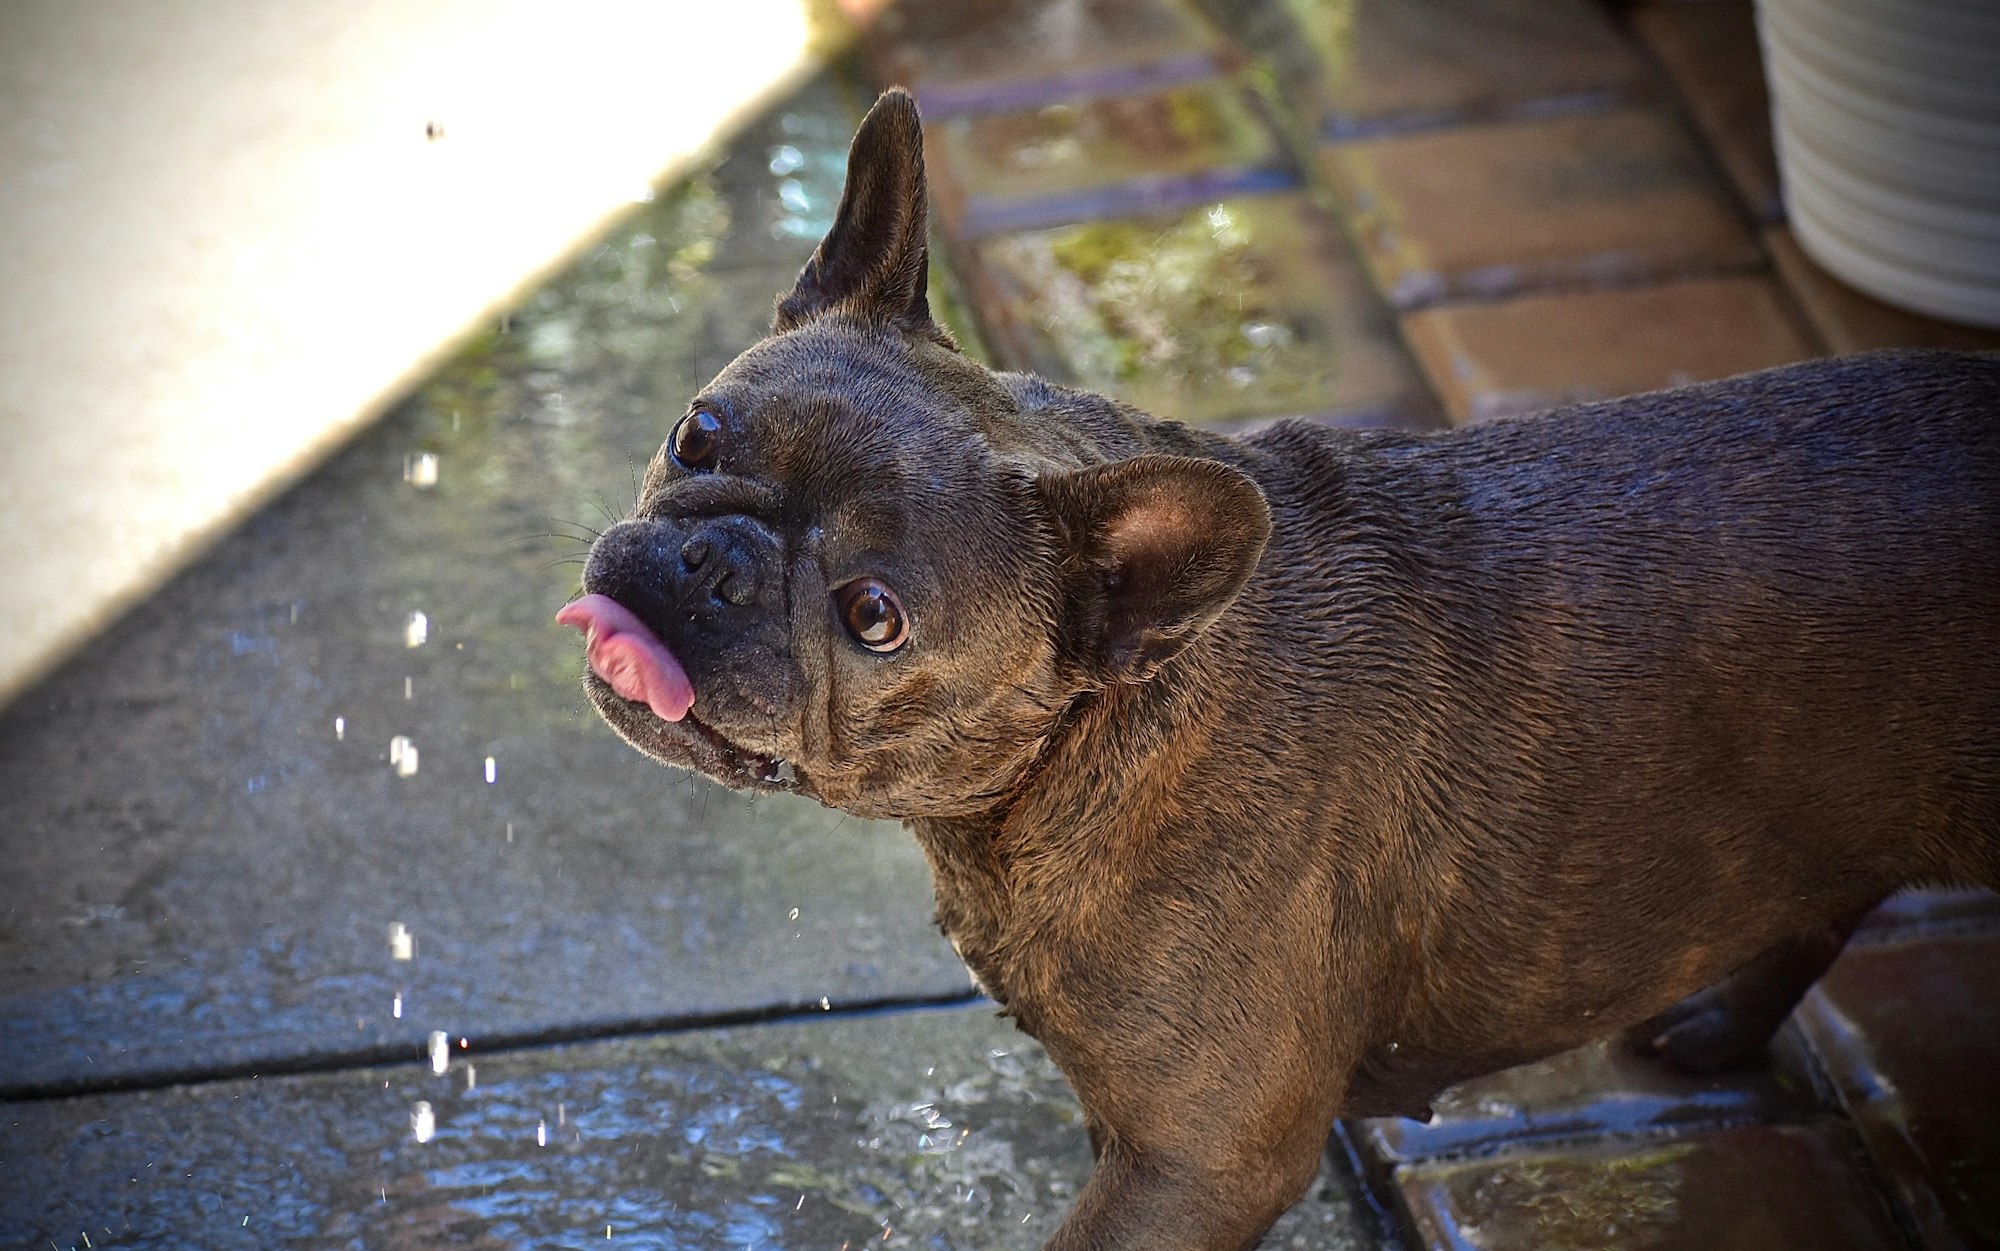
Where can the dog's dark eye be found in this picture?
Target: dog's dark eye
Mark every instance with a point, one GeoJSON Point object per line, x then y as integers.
{"type": "Point", "coordinates": [696, 439]}
{"type": "Point", "coordinates": [874, 615]}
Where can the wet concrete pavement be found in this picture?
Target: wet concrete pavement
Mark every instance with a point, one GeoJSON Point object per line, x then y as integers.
{"type": "Point", "coordinates": [914, 1129]}
{"type": "Point", "coordinates": [351, 735]}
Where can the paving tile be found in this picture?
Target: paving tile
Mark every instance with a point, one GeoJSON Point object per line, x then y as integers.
{"type": "Point", "coordinates": [207, 844]}
{"type": "Point", "coordinates": [1240, 309]}
{"type": "Point", "coordinates": [1850, 321]}
{"type": "Point", "coordinates": [1909, 1031]}
{"type": "Point", "coordinates": [1105, 156]}
{"type": "Point", "coordinates": [1384, 65]}
{"type": "Point", "coordinates": [1712, 54]}
{"type": "Point", "coordinates": [1526, 354]}
{"type": "Point", "coordinates": [1489, 210]}
{"type": "Point", "coordinates": [1757, 1189]}
{"type": "Point", "coordinates": [931, 1130]}
{"type": "Point", "coordinates": [1599, 1089]}
{"type": "Point", "coordinates": [991, 55]}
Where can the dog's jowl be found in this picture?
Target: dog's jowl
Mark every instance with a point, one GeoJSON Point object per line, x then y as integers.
{"type": "Point", "coordinates": [1274, 779]}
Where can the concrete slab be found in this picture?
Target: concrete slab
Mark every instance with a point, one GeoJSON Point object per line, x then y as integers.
{"type": "Point", "coordinates": [207, 840]}
{"type": "Point", "coordinates": [930, 1129]}
{"type": "Point", "coordinates": [204, 202]}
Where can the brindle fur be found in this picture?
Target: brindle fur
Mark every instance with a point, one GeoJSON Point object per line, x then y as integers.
{"type": "Point", "coordinates": [1272, 779]}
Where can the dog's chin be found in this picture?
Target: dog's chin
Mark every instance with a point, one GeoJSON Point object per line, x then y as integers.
{"type": "Point", "coordinates": [691, 743]}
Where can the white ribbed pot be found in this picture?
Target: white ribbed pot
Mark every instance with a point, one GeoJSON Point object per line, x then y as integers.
{"type": "Point", "coordinates": [1887, 120]}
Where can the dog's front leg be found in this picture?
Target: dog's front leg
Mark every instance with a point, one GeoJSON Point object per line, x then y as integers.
{"type": "Point", "coordinates": [1198, 1168]}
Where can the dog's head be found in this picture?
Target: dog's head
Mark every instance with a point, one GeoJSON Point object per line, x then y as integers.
{"type": "Point", "coordinates": [866, 568]}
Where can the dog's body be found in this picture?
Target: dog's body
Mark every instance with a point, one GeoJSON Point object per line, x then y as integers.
{"type": "Point", "coordinates": [1275, 779]}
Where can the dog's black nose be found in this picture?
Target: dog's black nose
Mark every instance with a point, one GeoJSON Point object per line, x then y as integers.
{"type": "Point", "coordinates": [722, 559]}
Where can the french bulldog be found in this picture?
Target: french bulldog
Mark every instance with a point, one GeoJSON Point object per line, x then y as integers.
{"type": "Point", "coordinates": [1272, 779]}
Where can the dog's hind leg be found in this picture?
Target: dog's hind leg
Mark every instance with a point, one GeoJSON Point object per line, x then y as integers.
{"type": "Point", "coordinates": [1731, 1022]}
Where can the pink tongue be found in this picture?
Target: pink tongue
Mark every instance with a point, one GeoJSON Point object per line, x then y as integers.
{"type": "Point", "coordinates": [623, 652]}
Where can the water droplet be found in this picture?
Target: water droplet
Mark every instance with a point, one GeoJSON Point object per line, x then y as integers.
{"type": "Point", "coordinates": [824, 1004]}
{"type": "Point", "coordinates": [416, 630]}
{"type": "Point", "coordinates": [795, 914]}
{"type": "Point", "coordinates": [541, 1133]}
{"type": "Point", "coordinates": [440, 1052]}
{"type": "Point", "coordinates": [421, 470]}
{"type": "Point", "coordinates": [409, 688]}
{"type": "Point", "coordinates": [402, 943]}
{"type": "Point", "coordinates": [490, 767]}
{"type": "Point", "coordinates": [510, 831]}
{"type": "Point", "coordinates": [396, 1006]}
{"type": "Point", "coordinates": [471, 1077]}
{"type": "Point", "coordinates": [339, 729]}
{"type": "Point", "coordinates": [423, 1121]}
{"type": "Point", "coordinates": [403, 756]}
{"type": "Point", "coordinates": [784, 159]}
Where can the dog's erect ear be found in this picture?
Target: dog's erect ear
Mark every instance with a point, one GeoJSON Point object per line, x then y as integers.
{"type": "Point", "coordinates": [874, 263]}
{"type": "Point", "coordinates": [1158, 547]}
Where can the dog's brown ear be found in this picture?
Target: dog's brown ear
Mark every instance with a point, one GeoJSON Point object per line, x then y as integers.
{"type": "Point", "coordinates": [1158, 547]}
{"type": "Point", "coordinates": [874, 263]}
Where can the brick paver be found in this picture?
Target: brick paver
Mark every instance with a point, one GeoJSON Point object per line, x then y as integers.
{"type": "Point", "coordinates": [1102, 156]}
{"type": "Point", "coordinates": [1235, 310]}
{"type": "Point", "coordinates": [1847, 320]}
{"type": "Point", "coordinates": [1906, 1028]}
{"type": "Point", "coordinates": [1710, 50]}
{"type": "Point", "coordinates": [1529, 205]}
{"type": "Point", "coordinates": [1517, 356]}
{"type": "Point", "coordinates": [983, 55]}
{"type": "Point", "coordinates": [1756, 1189]}
{"type": "Point", "coordinates": [1395, 65]}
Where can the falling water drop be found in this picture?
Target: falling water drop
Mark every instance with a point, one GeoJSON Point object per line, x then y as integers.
{"type": "Point", "coordinates": [396, 1006]}
{"type": "Point", "coordinates": [339, 729]}
{"type": "Point", "coordinates": [541, 1133]}
{"type": "Point", "coordinates": [416, 630]}
{"type": "Point", "coordinates": [423, 1121]}
{"type": "Point", "coordinates": [402, 943]}
{"type": "Point", "coordinates": [421, 470]}
{"type": "Point", "coordinates": [490, 770]}
{"type": "Point", "coordinates": [403, 756]}
{"type": "Point", "coordinates": [440, 1052]}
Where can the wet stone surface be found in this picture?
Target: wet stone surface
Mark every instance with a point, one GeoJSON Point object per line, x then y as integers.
{"type": "Point", "coordinates": [936, 1130]}
{"type": "Point", "coordinates": [1228, 311]}
{"type": "Point", "coordinates": [207, 839]}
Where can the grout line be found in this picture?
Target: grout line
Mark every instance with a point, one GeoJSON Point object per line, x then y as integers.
{"type": "Point", "coordinates": [500, 1043]}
